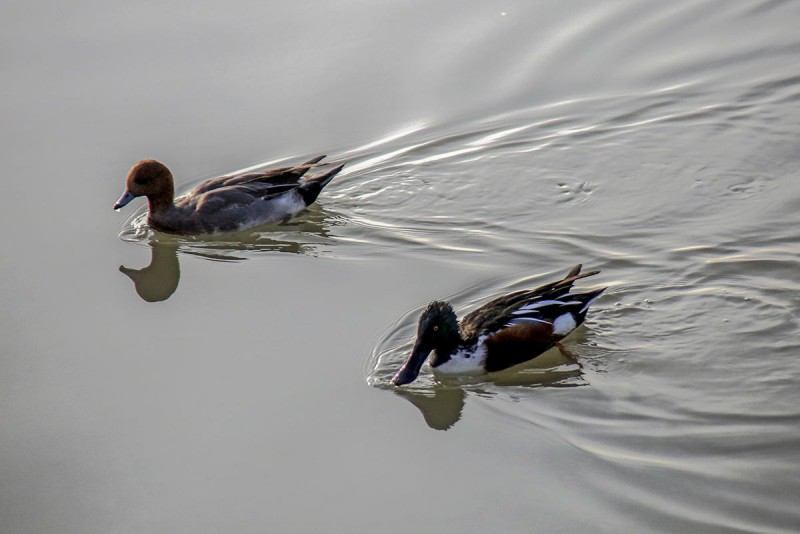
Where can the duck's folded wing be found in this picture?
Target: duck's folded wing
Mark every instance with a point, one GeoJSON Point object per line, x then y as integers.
{"type": "Point", "coordinates": [277, 177]}
{"type": "Point", "coordinates": [541, 303]}
{"type": "Point", "coordinates": [234, 196]}
{"type": "Point", "coordinates": [274, 177]}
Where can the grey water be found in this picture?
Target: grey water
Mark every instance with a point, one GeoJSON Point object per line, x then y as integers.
{"type": "Point", "coordinates": [240, 383]}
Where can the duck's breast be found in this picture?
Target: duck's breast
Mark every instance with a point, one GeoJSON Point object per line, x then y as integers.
{"type": "Point", "coordinates": [465, 361]}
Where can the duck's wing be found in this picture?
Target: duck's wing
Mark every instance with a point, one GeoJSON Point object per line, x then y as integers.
{"type": "Point", "coordinates": [531, 306]}
{"type": "Point", "coordinates": [231, 197]}
{"type": "Point", "coordinates": [273, 181]}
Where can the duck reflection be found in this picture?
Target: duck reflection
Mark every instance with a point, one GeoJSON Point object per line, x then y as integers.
{"type": "Point", "coordinates": [442, 401]}
{"type": "Point", "coordinates": [294, 237]}
{"type": "Point", "coordinates": [441, 406]}
{"type": "Point", "coordinates": [159, 280]}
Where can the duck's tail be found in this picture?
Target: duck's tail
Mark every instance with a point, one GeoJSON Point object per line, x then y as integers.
{"type": "Point", "coordinates": [298, 171]}
{"type": "Point", "coordinates": [586, 299]}
{"type": "Point", "coordinates": [311, 187]}
{"type": "Point", "coordinates": [313, 161]}
{"type": "Point", "coordinates": [564, 286]}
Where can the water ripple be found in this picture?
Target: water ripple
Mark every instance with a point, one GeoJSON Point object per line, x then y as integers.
{"type": "Point", "coordinates": [689, 361]}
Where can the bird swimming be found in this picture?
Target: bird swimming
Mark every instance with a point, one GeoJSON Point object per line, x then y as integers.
{"type": "Point", "coordinates": [504, 332]}
{"type": "Point", "coordinates": [225, 204]}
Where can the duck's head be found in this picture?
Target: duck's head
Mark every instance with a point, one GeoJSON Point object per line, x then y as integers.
{"type": "Point", "coordinates": [148, 178]}
{"type": "Point", "coordinates": [437, 330]}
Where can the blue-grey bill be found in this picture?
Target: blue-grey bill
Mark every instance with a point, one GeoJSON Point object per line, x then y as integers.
{"type": "Point", "coordinates": [126, 197]}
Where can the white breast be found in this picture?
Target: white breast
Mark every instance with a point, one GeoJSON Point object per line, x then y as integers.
{"type": "Point", "coordinates": [465, 362]}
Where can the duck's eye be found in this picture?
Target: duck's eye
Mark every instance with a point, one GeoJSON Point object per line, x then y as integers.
{"type": "Point", "coordinates": [140, 180]}
{"type": "Point", "coordinates": [436, 328]}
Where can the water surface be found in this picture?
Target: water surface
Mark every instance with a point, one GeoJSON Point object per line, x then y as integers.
{"type": "Point", "coordinates": [240, 383]}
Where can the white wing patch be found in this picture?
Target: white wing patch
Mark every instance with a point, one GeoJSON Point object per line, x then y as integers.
{"type": "Point", "coordinates": [564, 324]}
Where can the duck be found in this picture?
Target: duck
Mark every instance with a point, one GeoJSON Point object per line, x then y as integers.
{"type": "Point", "coordinates": [504, 332]}
{"type": "Point", "coordinates": [224, 204]}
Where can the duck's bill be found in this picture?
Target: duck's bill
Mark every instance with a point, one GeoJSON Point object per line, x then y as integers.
{"type": "Point", "coordinates": [410, 370]}
{"type": "Point", "coordinates": [126, 197]}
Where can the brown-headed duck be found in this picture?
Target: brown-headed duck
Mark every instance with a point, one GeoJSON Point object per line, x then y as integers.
{"type": "Point", "coordinates": [225, 204]}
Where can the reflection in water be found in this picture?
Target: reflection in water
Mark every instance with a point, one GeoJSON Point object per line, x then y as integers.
{"type": "Point", "coordinates": [305, 234]}
{"type": "Point", "coordinates": [441, 400]}
{"type": "Point", "coordinates": [441, 406]}
{"type": "Point", "coordinates": [159, 280]}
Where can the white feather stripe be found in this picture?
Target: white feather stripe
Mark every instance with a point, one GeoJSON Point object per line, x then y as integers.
{"type": "Point", "coordinates": [536, 305]}
{"type": "Point", "coordinates": [520, 320]}
{"type": "Point", "coordinates": [544, 303]}
{"type": "Point", "coordinates": [589, 303]}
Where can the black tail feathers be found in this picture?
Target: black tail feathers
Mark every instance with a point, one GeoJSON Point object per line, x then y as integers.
{"type": "Point", "coordinates": [587, 299]}
{"type": "Point", "coordinates": [312, 186]}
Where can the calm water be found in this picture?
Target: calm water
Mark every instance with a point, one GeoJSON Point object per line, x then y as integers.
{"type": "Point", "coordinates": [154, 384]}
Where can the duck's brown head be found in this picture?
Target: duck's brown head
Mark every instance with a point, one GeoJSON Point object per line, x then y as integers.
{"type": "Point", "coordinates": [152, 179]}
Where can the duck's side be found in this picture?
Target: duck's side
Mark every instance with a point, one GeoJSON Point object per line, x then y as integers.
{"type": "Point", "coordinates": [529, 331]}
{"type": "Point", "coordinates": [228, 203]}
{"type": "Point", "coordinates": [507, 331]}
{"type": "Point", "coordinates": [249, 201]}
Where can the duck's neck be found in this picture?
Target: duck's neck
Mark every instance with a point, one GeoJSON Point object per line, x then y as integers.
{"type": "Point", "coordinates": [445, 349]}
{"type": "Point", "coordinates": [162, 202]}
